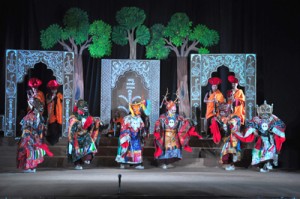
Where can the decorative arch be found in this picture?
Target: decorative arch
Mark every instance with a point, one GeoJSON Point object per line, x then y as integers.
{"type": "Point", "coordinates": [202, 67]}
{"type": "Point", "coordinates": [18, 62]}
{"type": "Point", "coordinates": [113, 69]}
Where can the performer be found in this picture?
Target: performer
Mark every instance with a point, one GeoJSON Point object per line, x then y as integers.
{"type": "Point", "coordinates": [31, 148]}
{"type": "Point", "coordinates": [115, 124]}
{"type": "Point", "coordinates": [212, 99]}
{"type": "Point", "coordinates": [54, 102]}
{"type": "Point", "coordinates": [270, 133]}
{"type": "Point", "coordinates": [225, 125]}
{"type": "Point", "coordinates": [236, 98]}
{"type": "Point", "coordinates": [83, 135]}
{"type": "Point", "coordinates": [34, 92]}
{"type": "Point", "coordinates": [132, 133]}
{"type": "Point", "coordinates": [172, 133]}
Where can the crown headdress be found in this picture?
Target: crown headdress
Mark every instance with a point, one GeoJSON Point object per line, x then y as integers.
{"type": "Point", "coordinates": [264, 109]}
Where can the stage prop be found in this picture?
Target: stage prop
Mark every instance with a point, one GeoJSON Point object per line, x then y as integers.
{"type": "Point", "coordinates": [18, 62]}
{"type": "Point", "coordinates": [125, 81]}
{"type": "Point", "coordinates": [201, 69]}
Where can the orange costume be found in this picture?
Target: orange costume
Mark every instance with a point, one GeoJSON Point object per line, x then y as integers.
{"type": "Point", "coordinates": [54, 108]}
{"type": "Point", "coordinates": [210, 108]}
{"type": "Point", "coordinates": [238, 104]}
{"type": "Point", "coordinates": [216, 95]}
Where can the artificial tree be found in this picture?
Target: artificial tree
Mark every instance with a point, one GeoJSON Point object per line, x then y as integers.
{"type": "Point", "coordinates": [131, 29]}
{"type": "Point", "coordinates": [76, 35]}
{"type": "Point", "coordinates": [182, 38]}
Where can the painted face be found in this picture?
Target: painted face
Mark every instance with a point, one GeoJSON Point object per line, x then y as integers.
{"type": "Point", "coordinates": [136, 109]}
{"type": "Point", "coordinates": [172, 111]}
{"type": "Point", "coordinates": [223, 113]}
{"type": "Point", "coordinates": [83, 108]}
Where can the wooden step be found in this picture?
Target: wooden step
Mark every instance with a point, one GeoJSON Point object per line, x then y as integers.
{"type": "Point", "coordinates": [205, 154]}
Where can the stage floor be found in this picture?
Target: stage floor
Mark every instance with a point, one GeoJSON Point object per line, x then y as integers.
{"type": "Point", "coordinates": [152, 182]}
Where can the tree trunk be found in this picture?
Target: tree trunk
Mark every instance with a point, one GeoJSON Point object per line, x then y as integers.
{"type": "Point", "coordinates": [182, 86]}
{"type": "Point", "coordinates": [78, 88]}
{"type": "Point", "coordinates": [132, 48]}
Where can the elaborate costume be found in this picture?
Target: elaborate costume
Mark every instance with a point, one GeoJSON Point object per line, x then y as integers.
{"type": "Point", "coordinates": [83, 134]}
{"type": "Point", "coordinates": [212, 100]}
{"type": "Point", "coordinates": [269, 130]}
{"type": "Point", "coordinates": [31, 149]}
{"type": "Point", "coordinates": [54, 101]}
{"type": "Point", "coordinates": [236, 99]}
{"type": "Point", "coordinates": [34, 84]}
{"type": "Point", "coordinates": [172, 133]}
{"type": "Point", "coordinates": [130, 150]}
{"type": "Point", "coordinates": [225, 125]}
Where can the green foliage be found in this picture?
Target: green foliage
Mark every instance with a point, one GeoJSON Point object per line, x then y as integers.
{"type": "Point", "coordinates": [142, 35]}
{"type": "Point", "coordinates": [101, 44]}
{"type": "Point", "coordinates": [178, 28]}
{"type": "Point", "coordinates": [130, 17]}
{"type": "Point", "coordinates": [119, 35]}
{"type": "Point", "coordinates": [130, 27]}
{"type": "Point", "coordinates": [203, 51]}
{"type": "Point", "coordinates": [205, 36]}
{"type": "Point", "coordinates": [76, 23]}
{"type": "Point", "coordinates": [157, 48]}
{"type": "Point", "coordinates": [50, 36]}
{"type": "Point", "coordinates": [96, 37]}
{"type": "Point", "coordinates": [175, 35]}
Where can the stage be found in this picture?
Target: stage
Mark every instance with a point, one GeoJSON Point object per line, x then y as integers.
{"type": "Point", "coordinates": [153, 182]}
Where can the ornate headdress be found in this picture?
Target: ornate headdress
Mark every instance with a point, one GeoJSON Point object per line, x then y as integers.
{"type": "Point", "coordinates": [169, 103]}
{"type": "Point", "coordinates": [265, 110]}
{"type": "Point", "coordinates": [232, 79]}
{"type": "Point", "coordinates": [34, 82]}
{"type": "Point", "coordinates": [134, 108]}
{"type": "Point", "coordinates": [81, 107]}
{"type": "Point", "coordinates": [53, 84]}
{"type": "Point", "coordinates": [214, 80]}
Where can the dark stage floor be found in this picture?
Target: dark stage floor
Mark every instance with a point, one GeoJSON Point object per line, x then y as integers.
{"type": "Point", "coordinates": [149, 183]}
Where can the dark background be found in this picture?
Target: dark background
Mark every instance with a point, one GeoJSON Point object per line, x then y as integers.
{"type": "Point", "coordinates": [269, 29]}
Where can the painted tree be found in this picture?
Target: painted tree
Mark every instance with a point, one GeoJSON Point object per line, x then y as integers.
{"type": "Point", "coordinates": [180, 37]}
{"type": "Point", "coordinates": [131, 29]}
{"type": "Point", "coordinates": [77, 35]}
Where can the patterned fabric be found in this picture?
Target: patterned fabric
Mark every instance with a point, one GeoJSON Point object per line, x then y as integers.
{"type": "Point", "coordinates": [31, 149]}
{"type": "Point", "coordinates": [172, 134]}
{"type": "Point", "coordinates": [130, 146]}
{"type": "Point", "coordinates": [270, 138]}
{"type": "Point", "coordinates": [231, 149]}
{"type": "Point", "coordinates": [82, 137]}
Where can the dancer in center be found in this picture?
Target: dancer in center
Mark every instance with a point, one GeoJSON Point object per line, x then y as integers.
{"type": "Point", "coordinates": [172, 133]}
{"type": "Point", "coordinates": [131, 137]}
